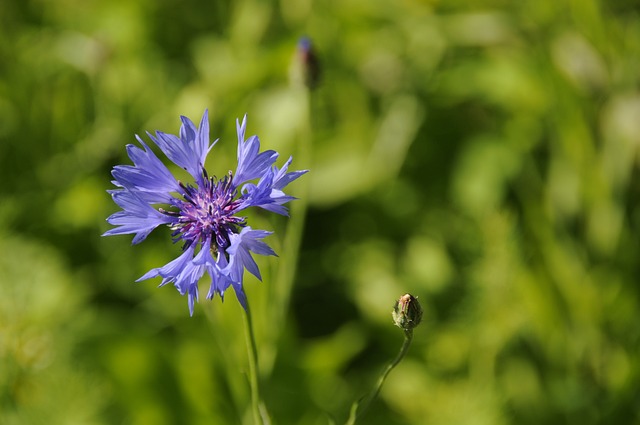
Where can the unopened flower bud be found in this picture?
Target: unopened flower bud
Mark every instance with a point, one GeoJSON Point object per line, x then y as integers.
{"type": "Point", "coordinates": [407, 312]}
{"type": "Point", "coordinates": [306, 66]}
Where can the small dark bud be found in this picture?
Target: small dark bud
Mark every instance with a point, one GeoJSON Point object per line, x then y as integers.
{"type": "Point", "coordinates": [306, 65]}
{"type": "Point", "coordinates": [407, 312]}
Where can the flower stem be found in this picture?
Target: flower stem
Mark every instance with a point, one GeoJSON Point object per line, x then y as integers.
{"type": "Point", "coordinates": [359, 408]}
{"type": "Point", "coordinates": [260, 414]}
{"type": "Point", "coordinates": [295, 228]}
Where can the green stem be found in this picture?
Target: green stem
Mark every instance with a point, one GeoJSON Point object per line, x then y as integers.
{"type": "Point", "coordinates": [359, 409]}
{"type": "Point", "coordinates": [260, 414]}
{"type": "Point", "coordinates": [286, 272]}
{"type": "Point", "coordinates": [295, 228]}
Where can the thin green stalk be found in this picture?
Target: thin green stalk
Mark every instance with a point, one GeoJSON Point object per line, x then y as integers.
{"type": "Point", "coordinates": [282, 288]}
{"type": "Point", "coordinates": [260, 414]}
{"type": "Point", "coordinates": [359, 408]}
{"type": "Point", "coordinates": [295, 228]}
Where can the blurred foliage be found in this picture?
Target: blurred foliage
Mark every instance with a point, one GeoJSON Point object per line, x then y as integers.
{"type": "Point", "coordinates": [480, 155]}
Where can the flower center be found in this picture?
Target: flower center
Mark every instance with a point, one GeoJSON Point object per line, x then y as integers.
{"type": "Point", "coordinates": [207, 213]}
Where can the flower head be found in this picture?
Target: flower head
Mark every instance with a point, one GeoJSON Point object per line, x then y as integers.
{"type": "Point", "coordinates": [203, 215]}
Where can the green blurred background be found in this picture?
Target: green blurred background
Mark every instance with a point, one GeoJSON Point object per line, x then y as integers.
{"type": "Point", "coordinates": [482, 155]}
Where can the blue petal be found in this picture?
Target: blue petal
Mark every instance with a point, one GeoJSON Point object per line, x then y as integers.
{"type": "Point", "coordinates": [189, 151]}
{"type": "Point", "coordinates": [187, 282]}
{"type": "Point", "coordinates": [219, 281]}
{"type": "Point", "coordinates": [183, 273]}
{"type": "Point", "coordinates": [242, 298]}
{"type": "Point", "coordinates": [170, 271]}
{"type": "Point", "coordinates": [139, 181]}
{"type": "Point", "coordinates": [173, 148]}
{"type": "Point", "coordinates": [189, 277]}
{"type": "Point", "coordinates": [193, 296]}
{"type": "Point", "coordinates": [268, 194]}
{"type": "Point", "coordinates": [242, 244]}
{"type": "Point", "coordinates": [257, 195]}
{"type": "Point", "coordinates": [282, 178]}
{"type": "Point", "coordinates": [251, 163]}
{"type": "Point", "coordinates": [204, 257]}
{"type": "Point", "coordinates": [136, 217]}
{"type": "Point", "coordinates": [148, 175]}
{"type": "Point", "coordinates": [197, 144]}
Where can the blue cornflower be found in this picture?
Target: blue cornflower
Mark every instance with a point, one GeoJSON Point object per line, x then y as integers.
{"type": "Point", "coordinates": [203, 215]}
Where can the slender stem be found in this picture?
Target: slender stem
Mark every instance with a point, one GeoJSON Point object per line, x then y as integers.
{"type": "Point", "coordinates": [260, 415]}
{"type": "Point", "coordinates": [295, 228]}
{"type": "Point", "coordinates": [359, 409]}
{"type": "Point", "coordinates": [282, 289]}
